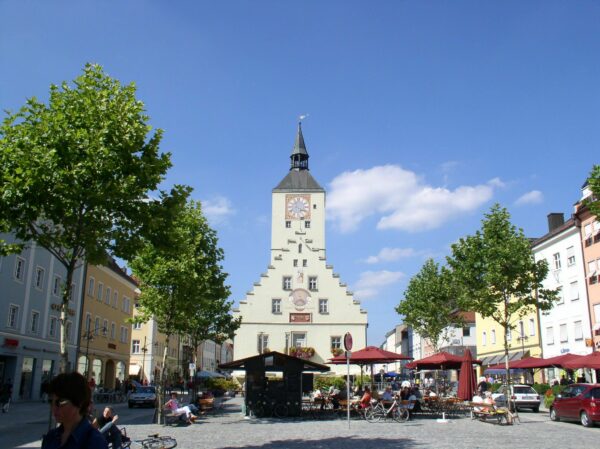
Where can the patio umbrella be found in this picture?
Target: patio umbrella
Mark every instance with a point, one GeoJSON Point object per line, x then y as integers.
{"type": "Point", "coordinates": [466, 380]}
{"type": "Point", "coordinates": [441, 360]}
{"type": "Point", "coordinates": [557, 361]}
{"type": "Point", "coordinates": [591, 361]}
{"type": "Point", "coordinates": [369, 356]}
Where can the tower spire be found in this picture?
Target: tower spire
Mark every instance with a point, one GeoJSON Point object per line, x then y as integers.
{"type": "Point", "coordinates": [299, 156]}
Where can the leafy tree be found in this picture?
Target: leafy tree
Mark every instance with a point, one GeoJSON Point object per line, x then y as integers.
{"type": "Point", "coordinates": [76, 173]}
{"type": "Point", "coordinates": [430, 303]}
{"type": "Point", "coordinates": [182, 283]}
{"type": "Point", "coordinates": [498, 275]}
{"type": "Point", "coordinates": [594, 184]}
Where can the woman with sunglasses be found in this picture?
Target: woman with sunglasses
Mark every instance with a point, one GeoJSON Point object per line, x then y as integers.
{"type": "Point", "coordinates": [70, 399]}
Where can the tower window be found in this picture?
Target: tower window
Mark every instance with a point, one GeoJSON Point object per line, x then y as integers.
{"type": "Point", "coordinates": [312, 283]}
{"type": "Point", "coordinates": [276, 306]}
{"type": "Point", "coordinates": [288, 224]}
{"type": "Point", "coordinates": [287, 282]}
{"type": "Point", "coordinates": [295, 262]}
{"type": "Point", "coordinates": [300, 248]}
{"type": "Point", "coordinates": [307, 224]}
{"type": "Point", "coordinates": [304, 262]}
{"type": "Point", "coordinates": [323, 306]}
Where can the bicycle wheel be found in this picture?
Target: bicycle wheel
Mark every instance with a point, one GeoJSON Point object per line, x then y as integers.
{"type": "Point", "coordinates": [168, 442]}
{"type": "Point", "coordinates": [373, 414]}
{"type": "Point", "coordinates": [400, 414]}
{"type": "Point", "coordinates": [280, 411]}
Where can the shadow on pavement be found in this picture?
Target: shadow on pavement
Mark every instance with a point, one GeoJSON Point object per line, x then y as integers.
{"type": "Point", "coordinates": [335, 443]}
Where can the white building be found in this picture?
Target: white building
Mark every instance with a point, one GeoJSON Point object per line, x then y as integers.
{"type": "Point", "coordinates": [299, 306]}
{"type": "Point", "coordinates": [565, 328]}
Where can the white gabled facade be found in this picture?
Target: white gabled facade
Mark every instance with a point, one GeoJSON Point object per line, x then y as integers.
{"type": "Point", "coordinates": [566, 327]}
{"type": "Point", "coordinates": [299, 302]}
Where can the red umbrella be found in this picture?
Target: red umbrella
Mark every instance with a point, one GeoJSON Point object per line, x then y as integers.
{"type": "Point", "coordinates": [368, 356]}
{"type": "Point", "coordinates": [528, 363]}
{"type": "Point", "coordinates": [441, 360]}
{"type": "Point", "coordinates": [587, 361]}
{"type": "Point", "coordinates": [466, 380]}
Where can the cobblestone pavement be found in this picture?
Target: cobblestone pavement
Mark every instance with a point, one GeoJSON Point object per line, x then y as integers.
{"type": "Point", "coordinates": [230, 430]}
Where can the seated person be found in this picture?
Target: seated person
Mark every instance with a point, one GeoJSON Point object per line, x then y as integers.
{"type": "Point", "coordinates": [334, 396]}
{"type": "Point", "coordinates": [404, 393]}
{"type": "Point", "coordinates": [387, 395]}
{"type": "Point", "coordinates": [488, 400]}
{"type": "Point", "coordinates": [478, 400]}
{"type": "Point", "coordinates": [173, 405]}
{"type": "Point", "coordinates": [365, 400]}
{"type": "Point", "coordinates": [106, 424]}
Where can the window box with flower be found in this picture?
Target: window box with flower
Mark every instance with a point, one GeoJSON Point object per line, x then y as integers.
{"type": "Point", "coordinates": [302, 352]}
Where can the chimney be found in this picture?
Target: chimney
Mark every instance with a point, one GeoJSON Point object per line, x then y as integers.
{"type": "Point", "coordinates": [555, 220]}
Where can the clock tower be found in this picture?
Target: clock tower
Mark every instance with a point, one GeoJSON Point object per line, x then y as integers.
{"type": "Point", "coordinates": [299, 306]}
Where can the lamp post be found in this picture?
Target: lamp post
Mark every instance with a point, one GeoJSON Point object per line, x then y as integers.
{"type": "Point", "coordinates": [89, 335]}
{"type": "Point", "coordinates": [144, 350]}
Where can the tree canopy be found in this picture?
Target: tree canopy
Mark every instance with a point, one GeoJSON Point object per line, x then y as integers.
{"type": "Point", "coordinates": [497, 273]}
{"type": "Point", "coordinates": [182, 282]}
{"type": "Point", "coordinates": [594, 184]}
{"type": "Point", "coordinates": [430, 303]}
{"type": "Point", "coordinates": [77, 172]}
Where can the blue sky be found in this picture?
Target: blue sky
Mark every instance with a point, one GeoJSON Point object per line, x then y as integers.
{"type": "Point", "coordinates": [422, 114]}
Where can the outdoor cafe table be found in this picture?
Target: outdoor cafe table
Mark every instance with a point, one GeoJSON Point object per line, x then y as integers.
{"type": "Point", "coordinates": [436, 405]}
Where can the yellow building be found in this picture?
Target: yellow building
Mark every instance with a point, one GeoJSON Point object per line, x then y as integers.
{"type": "Point", "coordinates": [147, 348]}
{"type": "Point", "coordinates": [523, 340]}
{"type": "Point", "coordinates": [105, 339]}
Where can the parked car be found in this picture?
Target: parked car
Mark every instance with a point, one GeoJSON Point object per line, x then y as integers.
{"type": "Point", "coordinates": [142, 396]}
{"type": "Point", "coordinates": [577, 402]}
{"type": "Point", "coordinates": [521, 396]}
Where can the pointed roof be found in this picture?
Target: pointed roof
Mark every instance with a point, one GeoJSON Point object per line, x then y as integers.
{"type": "Point", "coordinates": [299, 146]}
{"type": "Point", "coordinates": [299, 178]}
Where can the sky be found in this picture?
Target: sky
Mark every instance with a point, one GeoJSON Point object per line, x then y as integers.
{"type": "Point", "coordinates": [421, 114]}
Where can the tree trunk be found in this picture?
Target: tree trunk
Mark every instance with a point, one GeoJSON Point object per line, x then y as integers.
{"type": "Point", "coordinates": [64, 315]}
{"type": "Point", "coordinates": [161, 381]}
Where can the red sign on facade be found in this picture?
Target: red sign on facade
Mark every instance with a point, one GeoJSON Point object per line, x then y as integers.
{"type": "Point", "coordinates": [11, 342]}
{"type": "Point", "coordinates": [300, 318]}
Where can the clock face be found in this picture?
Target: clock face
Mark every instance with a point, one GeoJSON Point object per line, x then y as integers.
{"type": "Point", "coordinates": [298, 206]}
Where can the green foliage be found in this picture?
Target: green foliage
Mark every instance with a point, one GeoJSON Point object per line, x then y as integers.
{"type": "Point", "coordinates": [497, 274]}
{"type": "Point", "coordinates": [430, 301]}
{"type": "Point", "coordinates": [325, 382]}
{"type": "Point", "coordinates": [76, 173]}
{"type": "Point", "coordinates": [594, 185]}
{"type": "Point", "coordinates": [541, 388]}
{"type": "Point", "coordinates": [221, 384]}
{"type": "Point", "coordinates": [182, 283]}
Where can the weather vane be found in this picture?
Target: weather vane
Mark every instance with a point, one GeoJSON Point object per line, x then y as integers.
{"type": "Point", "coordinates": [302, 117]}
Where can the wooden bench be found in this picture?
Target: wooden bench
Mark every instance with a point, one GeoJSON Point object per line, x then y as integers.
{"type": "Point", "coordinates": [170, 418]}
{"type": "Point", "coordinates": [206, 405]}
{"type": "Point", "coordinates": [484, 412]}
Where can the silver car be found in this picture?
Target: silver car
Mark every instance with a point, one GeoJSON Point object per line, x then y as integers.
{"type": "Point", "coordinates": [142, 396]}
{"type": "Point", "coordinates": [521, 396]}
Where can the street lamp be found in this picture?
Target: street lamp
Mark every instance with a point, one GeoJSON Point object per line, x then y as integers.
{"type": "Point", "coordinates": [144, 350]}
{"type": "Point", "coordinates": [89, 335]}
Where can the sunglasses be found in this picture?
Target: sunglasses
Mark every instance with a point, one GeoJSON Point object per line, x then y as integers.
{"type": "Point", "coordinates": [58, 402]}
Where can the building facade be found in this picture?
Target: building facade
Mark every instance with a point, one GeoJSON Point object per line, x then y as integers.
{"type": "Point", "coordinates": [106, 330]}
{"type": "Point", "coordinates": [590, 243]}
{"type": "Point", "coordinates": [300, 306]}
{"type": "Point", "coordinates": [565, 328]}
{"type": "Point", "coordinates": [31, 284]}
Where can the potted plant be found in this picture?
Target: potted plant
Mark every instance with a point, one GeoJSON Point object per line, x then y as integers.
{"type": "Point", "coordinates": [337, 351]}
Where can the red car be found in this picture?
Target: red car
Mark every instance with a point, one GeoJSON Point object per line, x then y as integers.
{"type": "Point", "coordinates": [577, 402]}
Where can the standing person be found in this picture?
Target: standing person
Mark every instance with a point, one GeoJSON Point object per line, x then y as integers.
{"type": "Point", "coordinates": [70, 399]}
{"type": "Point", "coordinates": [5, 395]}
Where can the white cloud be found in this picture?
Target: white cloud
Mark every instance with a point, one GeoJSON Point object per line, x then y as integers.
{"type": "Point", "coordinates": [370, 282]}
{"type": "Point", "coordinates": [400, 198]}
{"type": "Point", "coordinates": [218, 209]}
{"type": "Point", "coordinates": [533, 197]}
{"type": "Point", "coordinates": [390, 255]}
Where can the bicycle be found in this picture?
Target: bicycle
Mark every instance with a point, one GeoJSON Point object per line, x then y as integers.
{"type": "Point", "coordinates": [264, 408]}
{"type": "Point", "coordinates": [153, 441]}
{"type": "Point", "coordinates": [374, 413]}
